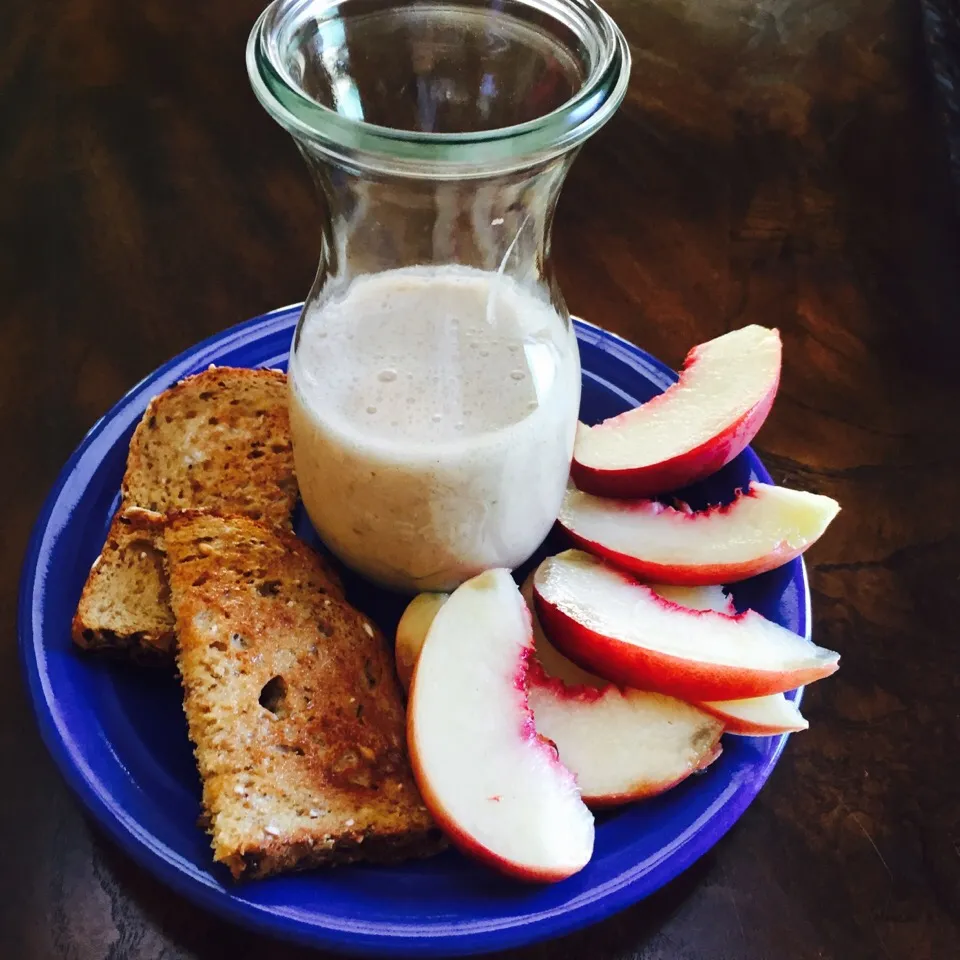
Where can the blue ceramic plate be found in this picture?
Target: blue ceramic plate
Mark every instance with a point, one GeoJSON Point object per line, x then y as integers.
{"type": "Point", "coordinates": [119, 736]}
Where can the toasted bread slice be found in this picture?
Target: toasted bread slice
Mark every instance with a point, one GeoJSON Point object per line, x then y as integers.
{"type": "Point", "coordinates": [292, 705]}
{"type": "Point", "coordinates": [125, 605]}
{"type": "Point", "coordinates": [219, 440]}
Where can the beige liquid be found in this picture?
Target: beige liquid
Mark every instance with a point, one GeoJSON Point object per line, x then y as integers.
{"type": "Point", "coordinates": [433, 412]}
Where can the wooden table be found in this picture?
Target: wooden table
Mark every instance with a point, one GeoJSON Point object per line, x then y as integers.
{"type": "Point", "coordinates": [775, 163]}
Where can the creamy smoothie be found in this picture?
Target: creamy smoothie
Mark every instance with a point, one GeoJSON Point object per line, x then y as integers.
{"type": "Point", "coordinates": [433, 412]}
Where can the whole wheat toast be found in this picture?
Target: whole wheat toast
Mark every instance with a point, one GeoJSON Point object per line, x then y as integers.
{"type": "Point", "coordinates": [219, 440]}
{"type": "Point", "coordinates": [292, 705]}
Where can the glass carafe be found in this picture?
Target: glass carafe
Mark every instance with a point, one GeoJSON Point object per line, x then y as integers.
{"type": "Point", "coordinates": [434, 372]}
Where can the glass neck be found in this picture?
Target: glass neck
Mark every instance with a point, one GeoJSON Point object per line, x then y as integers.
{"type": "Point", "coordinates": [499, 224]}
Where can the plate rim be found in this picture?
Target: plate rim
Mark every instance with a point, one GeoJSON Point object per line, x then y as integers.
{"type": "Point", "coordinates": [183, 878]}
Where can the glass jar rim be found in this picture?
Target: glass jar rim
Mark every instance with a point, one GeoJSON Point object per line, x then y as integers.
{"type": "Point", "coordinates": [363, 145]}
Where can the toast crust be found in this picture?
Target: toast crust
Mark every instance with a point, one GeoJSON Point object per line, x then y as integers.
{"type": "Point", "coordinates": [292, 704]}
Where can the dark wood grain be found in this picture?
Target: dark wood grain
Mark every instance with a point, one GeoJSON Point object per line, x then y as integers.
{"type": "Point", "coordinates": [776, 162]}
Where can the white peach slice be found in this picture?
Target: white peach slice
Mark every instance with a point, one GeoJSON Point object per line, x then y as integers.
{"type": "Point", "coordinates": [412, 631]}
{"type": "Point", "coordinates": [614, 626]}
{"type": "Point", "coordinates": [698, 425]}
{"type": "Point", "coordinates": [622, 745]}
{"type": "Point", "coordinates": [758, 716]}
{"type": "Point", "coordinates": [490, 781]}
{"type": "Point", "coordinates": [762, 529]}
